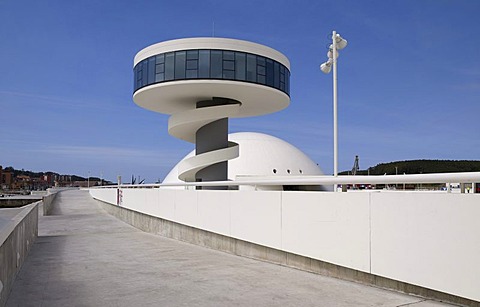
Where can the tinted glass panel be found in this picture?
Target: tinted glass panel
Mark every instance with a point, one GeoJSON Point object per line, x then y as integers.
{"type": "Point", "coordinates": [287, 81]}
{"type": "Point", "coordinates": [260, 61]}
{"type": "Point", "coordinates": [169, 66]}
{"type": "Point", "coordinates": [229, 74]}
{"type": "Point", "coordinates": [192, 55]}
{"type": "Point", "coordinates": [180, 58]}
{"type": "Point", "coordinates": [261, 70]}
{"type": "Point", "coordinates": [135, 78]}
{"type": "Point", "coordinates": [240, 65]}
{"type": "Point", "coordinates": [228, 55]}
{"type": "Point", "coordinates": [160, 58]}
{"type": "Point", "coordinates": [151, 70]}
{"type": "Point", "coordinates": [204, 64]}
{"type": "Point", "coordinates": [160, 68]}
{"type": "Point", "coordinates": [216, 64]}
{"type": "Point", "coordinates": [159, 77]}
{"type": "Point", "coordinates": [269, 72]}
{"type": "Point", "coordinates": [276, 75]}
{"type": "Point", "coordinates": [251, 67]}
{"type": "Point", "coordinates": [229, 65]}
{"type": "Point", "coordinates": [192, 74]}
{"type": "Point", "coordinates": [144, 72]}
{"type": "Point", "coordinates": [192, 64]}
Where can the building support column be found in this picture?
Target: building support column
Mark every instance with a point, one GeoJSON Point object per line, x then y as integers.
{"type": "Point", "coordinates": [211, 137]}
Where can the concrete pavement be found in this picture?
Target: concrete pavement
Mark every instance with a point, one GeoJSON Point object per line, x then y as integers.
{"type": "Point", "coordinates": [85, 257]}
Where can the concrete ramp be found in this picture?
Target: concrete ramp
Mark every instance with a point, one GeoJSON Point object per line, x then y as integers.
{"type": "Point", "coordinates": [85, 257]}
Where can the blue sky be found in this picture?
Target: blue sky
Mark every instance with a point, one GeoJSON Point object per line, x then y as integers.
{"type": "Point", "coordinates": [409, 80]}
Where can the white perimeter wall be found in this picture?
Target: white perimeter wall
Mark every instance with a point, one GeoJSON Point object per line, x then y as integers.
{"type": "Point", "coordinates": [427, 239]}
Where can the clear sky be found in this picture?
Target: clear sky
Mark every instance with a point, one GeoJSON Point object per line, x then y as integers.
{"type": "Point", "coordinates": [409, 80]}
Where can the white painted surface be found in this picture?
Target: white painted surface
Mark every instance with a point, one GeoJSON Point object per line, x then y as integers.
{"type": "Point", "coordinates": [165, 206]}
{"type": "Point", "coordinates": [426, 239]}
{"type": "Point", "coordinates": [332, 227]}
{"type": "Point", "coordinates": [186, 208]}
{"type": "Point", "coordinates": [182, 95]}
{"type": "Point", "coordinates": [184, 125]}
{"type": "Point", "coordinates": [105, 195]}
{"type": "Point", "coordinates": [189, 167]}
{"type": "Point", "coordinates": [256, 217]}
{"type": "Point", "coordinates": [214, 211]}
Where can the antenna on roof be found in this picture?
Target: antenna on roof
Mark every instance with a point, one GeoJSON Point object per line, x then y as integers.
{"type": "Point", "coordinates": [213, 28]}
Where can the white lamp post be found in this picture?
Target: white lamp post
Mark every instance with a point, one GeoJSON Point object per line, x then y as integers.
{"type": "Point", "coordinates": [338, 43]}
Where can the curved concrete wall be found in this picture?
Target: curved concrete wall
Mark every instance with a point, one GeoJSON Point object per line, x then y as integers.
{"type": "Point", "coordinates": [48, 203]}
{"type": "Point", "coordinates": [426, 239]}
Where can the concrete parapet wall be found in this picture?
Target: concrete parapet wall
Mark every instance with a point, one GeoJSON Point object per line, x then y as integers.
{"type": "Point", "coordinates": [16, 239]}
{"type": "Point", "coordinates": [49, 199]}
{"type": "Point", "coordinates": [416, 242]}
{"type": "Point", "coordinates": [48, 203]}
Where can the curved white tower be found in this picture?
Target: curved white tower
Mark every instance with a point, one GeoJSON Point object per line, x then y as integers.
{"type": "Point", "coordinates": [201, 82]}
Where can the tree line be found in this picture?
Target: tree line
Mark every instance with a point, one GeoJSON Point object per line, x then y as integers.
{"type": "Point", "coordinates": [420, 167]}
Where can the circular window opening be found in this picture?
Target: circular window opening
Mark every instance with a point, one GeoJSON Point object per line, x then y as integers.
{"type": "Point", "coordinates": [301, 172]}
{"type": "Point", "coordinates": [274, 170]}
{"type": "Point", "coordinates": [288, 171]}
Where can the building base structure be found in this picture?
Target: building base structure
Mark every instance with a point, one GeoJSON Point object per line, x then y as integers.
{"type": "Point", "coordinates": [353, 247]}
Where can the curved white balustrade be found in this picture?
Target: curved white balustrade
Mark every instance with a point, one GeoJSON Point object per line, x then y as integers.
{"type": "Point", "coordinates": [189, 167]}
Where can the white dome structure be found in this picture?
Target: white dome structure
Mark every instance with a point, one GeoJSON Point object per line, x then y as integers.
{"type": "Point", "coordinates": [262, 155]}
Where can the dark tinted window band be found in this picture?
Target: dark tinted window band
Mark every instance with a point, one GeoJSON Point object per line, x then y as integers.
{"type": "Point", "coordinates": [211, 64]}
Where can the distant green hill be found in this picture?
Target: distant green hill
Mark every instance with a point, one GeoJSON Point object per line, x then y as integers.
{"type": "Point", "coordinates": [421, 167]}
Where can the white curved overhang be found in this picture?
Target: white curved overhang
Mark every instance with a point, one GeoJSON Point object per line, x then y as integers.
{"type": "Point", "coordinates": [211, 43]}
{"type": "Point", "coordinates": [177, 96]}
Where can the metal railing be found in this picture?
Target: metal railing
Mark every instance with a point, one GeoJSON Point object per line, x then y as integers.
{"type": "Point", "coordinates": [466, 177]}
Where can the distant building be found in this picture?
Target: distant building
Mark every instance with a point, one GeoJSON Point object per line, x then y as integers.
{"type": "Point", "coordinates": [49, 179]}
{"type": "Point", "coordinates": [6, 179]}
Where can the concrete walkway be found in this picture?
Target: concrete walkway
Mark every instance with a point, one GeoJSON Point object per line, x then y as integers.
{"type": "Point", "coordinates": [85, 257]}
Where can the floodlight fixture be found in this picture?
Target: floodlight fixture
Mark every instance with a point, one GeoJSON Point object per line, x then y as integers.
{"type": "Point", "coordinates": [330, 53]}
{"type": "Point", "coordinates": [326, 67]}
{"type": "Point", "coordinates": [341, 42]}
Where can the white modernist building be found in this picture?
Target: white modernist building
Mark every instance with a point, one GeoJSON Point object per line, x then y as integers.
{"type": "Point", "coordinates": [201, 82]}
{"type": "Point", "coordinates": [417, 242]}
